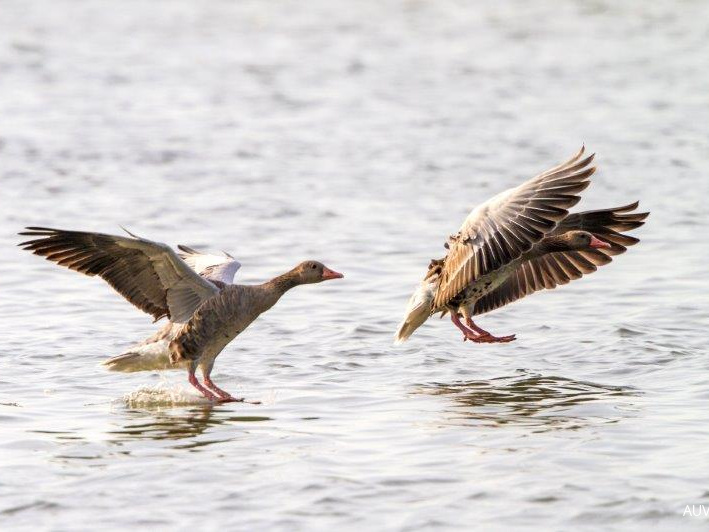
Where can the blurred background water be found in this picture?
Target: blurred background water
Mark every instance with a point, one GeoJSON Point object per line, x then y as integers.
{"type": "Point", "coordinates": [359, 134]}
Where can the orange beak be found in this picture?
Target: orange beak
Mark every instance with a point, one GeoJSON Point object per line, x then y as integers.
{"type": "Point", "coordinates": [327, 273]}
{"type": "Point", "coordinates": [598, 243]}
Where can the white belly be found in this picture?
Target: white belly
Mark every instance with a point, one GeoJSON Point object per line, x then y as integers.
{"type": "Point", "coordinates": [152, 354]}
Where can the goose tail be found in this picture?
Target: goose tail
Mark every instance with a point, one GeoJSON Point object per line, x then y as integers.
{"type": "Point", "coordinates": [417, 311]}
{"type": "Point", "coordinates": [146, 357]}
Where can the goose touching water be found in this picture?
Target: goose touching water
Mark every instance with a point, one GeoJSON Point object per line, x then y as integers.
{"type": "Point", "coordinates": [518, 242]}
{"type": "Point", "coordinates": [193, 290]}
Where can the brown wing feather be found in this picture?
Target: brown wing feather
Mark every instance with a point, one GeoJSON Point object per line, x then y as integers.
{"type": "Point", "coordinates": [607, 224]}
{"type": "Point", "coordinates": [148, 274]}
{"type": "Point", "coordinates": [508, 225]}
{"type": "Point", "coordinates": [552, 269]}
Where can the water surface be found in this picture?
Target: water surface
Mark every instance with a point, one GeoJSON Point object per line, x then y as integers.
{"type": "Point", "coordinates": [359, 134]}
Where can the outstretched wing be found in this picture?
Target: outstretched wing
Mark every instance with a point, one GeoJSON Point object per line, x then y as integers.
{"type": "Point", "coordinates": [148, 274]}
{"type": "Point", "coordinates": [508, 225]}
{"type": "Point", "coordinates": [212, 267]}
{"type": "Point", "coordinates": [552, 269]}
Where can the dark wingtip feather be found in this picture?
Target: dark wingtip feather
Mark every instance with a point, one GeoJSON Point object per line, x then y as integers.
{"type": "Point", "coordinates": [636, 217]}
{"type": "Point", "coordinates": [42, 228]}
{"type": "Point", "coordinates": [187, 249]}
{"type": "Point", "coordinates": [39, 231]}
{"type": "Point", "coordinates": [129, 233]}
{"type": "Point", "coordinates": [628, 207]}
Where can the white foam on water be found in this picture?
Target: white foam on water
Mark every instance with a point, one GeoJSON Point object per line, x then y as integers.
{"type": "Point", "coordinates": [164, 393]}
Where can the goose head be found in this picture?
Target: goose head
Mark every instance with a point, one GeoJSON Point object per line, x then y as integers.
{"type": "Point", "coordinates": [579, 241]}
{"type": "Point", "coordinates": [312, 271]}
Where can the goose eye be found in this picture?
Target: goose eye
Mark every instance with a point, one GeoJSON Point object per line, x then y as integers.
{"type": "Point", "coordinates": [313, 266]}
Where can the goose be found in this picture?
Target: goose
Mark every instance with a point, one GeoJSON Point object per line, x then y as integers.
{"type": "Point", "coordinates": [520, 241]}
{"type": "Point", "coordinates": [194, 291]}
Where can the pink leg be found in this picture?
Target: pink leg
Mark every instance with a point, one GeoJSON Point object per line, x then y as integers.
{"type": "Point", "coordinates": [489, 337]}
{"type": "Point", "coordinates": [223, 395]}
{"type": "Point", "coordinates": [194, 382]}
{"type": "Point", "coordinates": [468, 334]}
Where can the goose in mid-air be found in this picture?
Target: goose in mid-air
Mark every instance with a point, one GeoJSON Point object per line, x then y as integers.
{"type": "Point", "coordinates": [518, 242]}
{"type": "Point", "coordinates": [193, 290]}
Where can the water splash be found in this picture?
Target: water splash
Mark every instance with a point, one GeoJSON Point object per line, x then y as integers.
{"type": "Point", "coordinates": [163, 394]}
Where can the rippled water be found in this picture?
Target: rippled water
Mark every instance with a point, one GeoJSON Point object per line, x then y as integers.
{"type": "Point", "coordinates": [359, 134]}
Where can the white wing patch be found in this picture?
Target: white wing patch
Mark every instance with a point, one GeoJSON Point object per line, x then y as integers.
{"type": "Point", "coordinates": [220, 268]}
